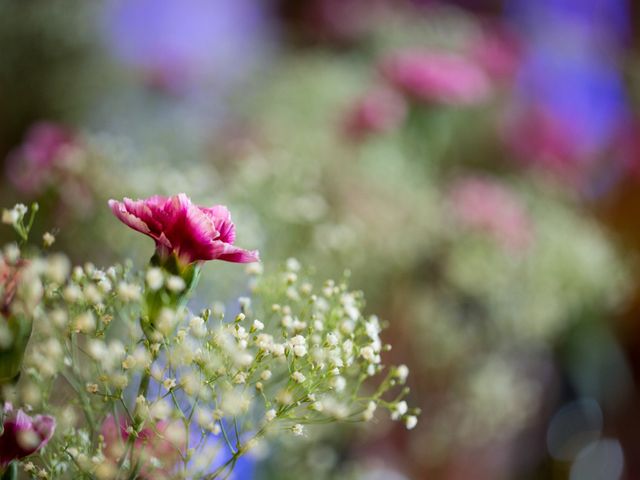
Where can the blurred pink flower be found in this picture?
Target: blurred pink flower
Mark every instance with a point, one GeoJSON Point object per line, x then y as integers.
{"type": "Point", "coordinates": [540, 138]}
{"type": "Point", "coordinates": [498, 52]}
{"type": "Point", "coordinates": [484, 205]}
{"type": "Point", "coordinates": [179, 227]}
{"type": "Point", "coordinates": [436, 77]}
{"type": "Point", "coordinates": [378, 111]}
{"type": "Point", "coordinates": [31, 165]}
{"type": "Point", "coordinates": [164, 442]}
{"type": "Point", "coordinates": [23, 435]}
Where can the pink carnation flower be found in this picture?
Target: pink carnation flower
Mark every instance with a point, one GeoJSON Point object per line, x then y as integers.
{"type": "Point", "coordinates": [378, 111]}
{"type": "Point", "coordinates": [31, 165]}
{"type": "Point", "coordinates": [179, 227]}
{"type": "Point", "coordinates": [163, 442]}
{"type": "Point", "coordinates": [486, 206]}
{"type": "Point", "coordinates": [436, 77]}
{"type": "Point", "coordinates": [23, 435]}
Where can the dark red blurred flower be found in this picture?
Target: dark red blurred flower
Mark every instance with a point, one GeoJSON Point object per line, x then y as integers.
{"type": "Point", "coordinates": [378, 111]}
{"type": "Point", "coordinates": [23, 435]}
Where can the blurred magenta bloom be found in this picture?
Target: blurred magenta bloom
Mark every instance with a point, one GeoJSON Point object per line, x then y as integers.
{"type": "Point", "coordinates": [177, 44]}
{"type": "Point", "coordinates": [31, 165]}
{"type": "Point", "coordinates": [179, 227]}
{"type": "Point", "coordinates": [23, 435]}
{"type": "Point", "coordinates": [489, 207]}
{"type": "Point", "coordinates": [436, 77]}
{"type": "Point", "coordinates": [378, 111]}
{"type": "Point", "coordinates": [546, 140]}
{"type": "Point", "coordinates": [498, 51]}
{"type": "Point", "coordinates": [164, 442]}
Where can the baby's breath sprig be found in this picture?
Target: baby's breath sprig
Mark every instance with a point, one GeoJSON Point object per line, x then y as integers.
{"type": "Point", "coordinates": [17, 218]}
{"type": "Point", "coordinates": [142, 387]}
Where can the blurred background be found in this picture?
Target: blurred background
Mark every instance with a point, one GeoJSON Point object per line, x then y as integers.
{"type": "Point", "coordinates": [472, 165]}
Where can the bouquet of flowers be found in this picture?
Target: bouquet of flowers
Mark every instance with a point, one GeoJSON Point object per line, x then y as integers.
{"type": "Point", "coordinates": [106, 373]}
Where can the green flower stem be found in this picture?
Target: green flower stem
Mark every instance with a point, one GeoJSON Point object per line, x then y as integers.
{"type": "Point", "coordinates": [11, 473]}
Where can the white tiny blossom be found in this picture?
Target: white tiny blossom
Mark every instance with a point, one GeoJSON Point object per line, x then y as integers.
{"type": "Point", "coordinates": [332, 339]}
{"type": "Point", "coordinates": [154, 278]}
{"type": "Point", "coordinates": [399, 409]}
{"type": "Point", "coordinates": [277, 350]}
{"type": "Point", "coordinates": [112, 273]}
{"type": "Point", "coordinates": [291, 278]}
{"type": "Point", "coordinates": [369, 411]}
{"type": "Point", "coordinates": [198, 327]}
{"type": "Point", "coordinates": [297, 430]}
{"type": "Point", "coordinates": [85, 323]}
{"type": "Point", "coordinates": [257, 325]}
{"type": "Point", "coordinates": [92, 294]}
{"type": "Point", "coordinates": [265, 375]}
{"type": "Point", "coordinates": [270, 415]}
{"type": "Point", "coordinates": [176, 284]}
{"type": "Point", "coordinates": [166, 321]}
{"type": "Point", "coordinates": [241, 333]}
{"type": "Point", "coordinates": [105, 285]}
{"type": "Point", "coordinates": [298, 377]}
{"type": "Point", "coordinates": [77, 274]}
{"type": "Point", "coordinates": [169, 383]}
{"type": "Point", "coordinates": [298, 340]}
{"type": "Point", "coordinates": [293, 265]}
{"type": "Point", "coordinates": [299, 350]}
{"type": "Point", "coordinates": [245, 303]}
{"type": "Point", "coordinates": [128, 292]}
{"type": "Point", "coordinates": [411, 421]}
{"type": "Point", "coordinates": [58, 268]}
{"type": "Point", "coordinates": [11, 253]}
{"type": "Point", "coordinates": [10, 217]}
{"type": "Point", "coordinates": [339, 383]}
{"type": "Point", "coordinates": [48, 239]}
{"type": "Point", "coordinates": [72, 293]}
{"type": "Point", "coordinates": [402, 372]}
{"type": "Point", "coordinates": [368, 354]}
{"type": "Point", "coordinates": [240, 378]}
{"type": "Point", "coordinates": [254, 269]}
{"type": "Point", "coordinates": [298, 326]}
{"type": "Point", "coordinates": [347, 326]}
{"type": "Point", "coordinates": [160, 410]}
{"type": "Point", "coordinates": [287, 321]}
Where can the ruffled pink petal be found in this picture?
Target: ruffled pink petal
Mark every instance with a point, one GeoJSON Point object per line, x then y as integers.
{"type": "Point", "coordinates": [221, 218]}
{"type": "Point", "coordinates": [189, 230]}
{"type": "Point", "coordinates": [120, 210]}
{"type": "Point", "coordinates": [231, 253]}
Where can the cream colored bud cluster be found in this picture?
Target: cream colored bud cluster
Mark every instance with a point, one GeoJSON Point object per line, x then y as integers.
{"type": "Point", "coordinates": [14, 215]}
